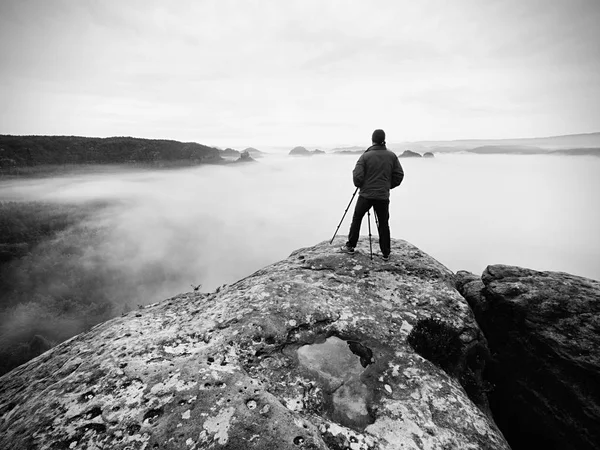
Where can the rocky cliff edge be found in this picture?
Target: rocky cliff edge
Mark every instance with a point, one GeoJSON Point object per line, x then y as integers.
{"type": "Point", "coordinates": [314, 352]}
{"type": "Point", "coordinates": [543, 330]}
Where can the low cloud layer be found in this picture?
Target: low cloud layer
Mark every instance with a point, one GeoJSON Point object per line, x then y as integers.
{"type": "Point", "coordinates": [214, 224]}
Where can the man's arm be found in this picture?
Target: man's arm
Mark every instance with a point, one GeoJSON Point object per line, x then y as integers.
{"type": "Point", "coordinates": [397, 173]}
{"type": "Point", "coordinates": [358, 174]}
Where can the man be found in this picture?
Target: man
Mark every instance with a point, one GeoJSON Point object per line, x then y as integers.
{"type": "Point", "coordinates": [376, 172]}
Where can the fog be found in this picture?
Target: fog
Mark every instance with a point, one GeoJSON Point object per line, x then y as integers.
{"type": "Point", "coordinates": [170, 229]}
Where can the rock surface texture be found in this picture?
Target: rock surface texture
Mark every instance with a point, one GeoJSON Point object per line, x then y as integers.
{"type": "Point", "coordinates": [309, 353]}
{"type": "Point", "coordinates": [544, 331]}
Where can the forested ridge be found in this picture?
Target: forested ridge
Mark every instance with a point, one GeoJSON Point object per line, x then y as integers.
{"type": "Point", "coordinates": [31, 151]}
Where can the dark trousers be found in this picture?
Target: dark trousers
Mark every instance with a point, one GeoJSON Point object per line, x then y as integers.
{"type": "Point", "coordinates": [382, 209]}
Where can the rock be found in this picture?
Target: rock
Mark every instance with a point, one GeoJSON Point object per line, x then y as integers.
{"type": "Point", "coordinates": [313, 352]}
{"type": "Point", "coordinates": [428, 155]}
{"type": "Point", "coordinates": [245, 157]}
{"type": "Point", "coordinates": [299, 151]}
{"type": "Point", "coordinates": [409, 154]}
{"type": "Point", "coordinates": [544, 331]}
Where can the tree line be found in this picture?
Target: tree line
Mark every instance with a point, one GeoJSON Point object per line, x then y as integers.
{"type": "Point", "coordinates": [32, 151]}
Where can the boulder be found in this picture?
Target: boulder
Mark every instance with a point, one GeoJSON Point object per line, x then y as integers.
{"type": "Point", "coordinates": [428, 155]}
{"type": "Point", "coordinates": [322, 350]}
{"type": "Point", "coordinates": [409, 154]}
{"type": "Point", "coordinates": [543, 329]}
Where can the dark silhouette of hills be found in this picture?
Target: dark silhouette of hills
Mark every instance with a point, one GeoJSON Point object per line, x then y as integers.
{"type": "Point", "coordinates": [31, 151]}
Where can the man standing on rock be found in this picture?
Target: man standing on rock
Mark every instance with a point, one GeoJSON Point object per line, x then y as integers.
{"type": "Point", "coordinates": [376, 172]}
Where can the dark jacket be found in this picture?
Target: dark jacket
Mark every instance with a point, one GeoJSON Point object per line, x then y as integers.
{"type": "Point", "coordinates": [376, 172]}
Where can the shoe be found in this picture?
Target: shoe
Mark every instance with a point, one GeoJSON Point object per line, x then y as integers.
{"type": "Point", "coordinates": [346, 249]}
{"type": "Point", "coordinates": [386, 258]}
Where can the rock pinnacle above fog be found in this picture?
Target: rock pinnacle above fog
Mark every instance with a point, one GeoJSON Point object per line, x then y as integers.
{"type": "Point", "coordinates": [245, 157]}
{"type": "Point", "coordinates": [312, 352]}
{"type": "Point", "coordinates": [299, 151]}
{"type": "Point", "coordinates": [409, 154]}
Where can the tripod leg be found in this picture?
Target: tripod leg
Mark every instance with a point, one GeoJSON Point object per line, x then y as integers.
{"type": "Point", "coordinates": [370, 241]}
{"type": "Point", "coordinates": [347, 208]}
{"type": "Point", "coordinates": [377, 224]}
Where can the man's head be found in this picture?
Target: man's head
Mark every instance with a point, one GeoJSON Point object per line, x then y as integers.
{"type": "Point", "coordinates": [378, 137]}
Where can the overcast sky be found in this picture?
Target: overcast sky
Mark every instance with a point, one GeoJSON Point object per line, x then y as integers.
{"type": "Point", "coordinates": [312, 73]}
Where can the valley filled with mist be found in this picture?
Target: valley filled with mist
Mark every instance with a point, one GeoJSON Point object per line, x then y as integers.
{"type": "Point", "coordinates": [102, 243]}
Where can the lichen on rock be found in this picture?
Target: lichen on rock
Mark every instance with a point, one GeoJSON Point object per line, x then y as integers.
{"type": "Point", "coordinates": [311, 352]}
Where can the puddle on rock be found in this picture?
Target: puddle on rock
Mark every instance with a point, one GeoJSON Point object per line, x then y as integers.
{"type": "Point", "coordinates": [340, 370]}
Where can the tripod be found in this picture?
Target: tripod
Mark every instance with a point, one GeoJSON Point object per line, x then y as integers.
{"type": "Point", "coordinates": [369, 221]}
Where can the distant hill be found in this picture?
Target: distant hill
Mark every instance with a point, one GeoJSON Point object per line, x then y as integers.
{"type": "Point", "coordinates": [503, 149]}
{"type": "Point", "coordinates": [571, 144]}
{"type": "Point", "coordinates": [349, 152]}
{"type": "Point", "coordinates": [254, 152]}
{"type": "Point", "coordinates": [354, 149]}
{"type": "Point", "coordinates": [301, 151]}
{"type": "Point", "coordinates": [528, 150]}
{"type": "Point", "coordinates": [578, 151]}
{"type": "Point", "coordinates": [518, 145]}
{"type": "Point", "coordinates": [31, 151]}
